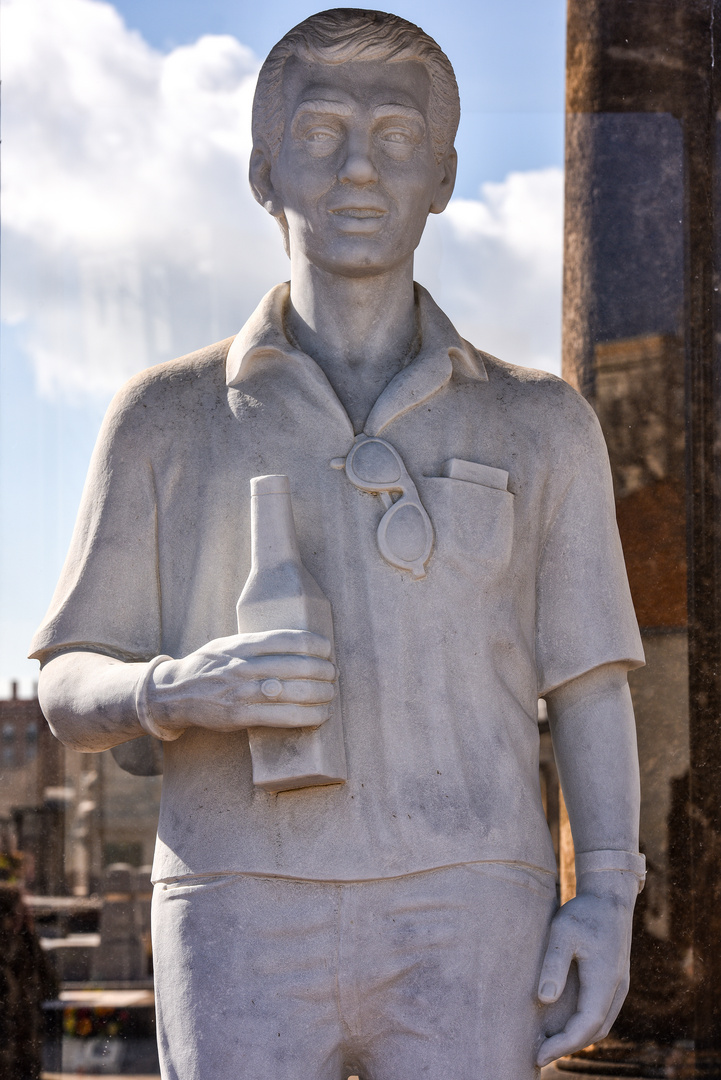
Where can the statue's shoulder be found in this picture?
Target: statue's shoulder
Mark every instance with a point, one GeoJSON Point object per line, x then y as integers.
{"type": "Point", "coordinates": [173, 392]}
{"type": "Point", "coordinates": [542, 400]}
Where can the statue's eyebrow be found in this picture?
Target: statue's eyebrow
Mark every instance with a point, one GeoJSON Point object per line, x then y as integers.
{"type": "Point", "coordinates": [405, 111]}
{"type": "Point", "coordinates": [337, 108]}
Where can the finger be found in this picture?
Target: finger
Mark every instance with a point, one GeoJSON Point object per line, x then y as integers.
{"type": "Point", "coordinates": [288, 667]}
{"type": "Point", "coordinates": [285, 716]}
{"type": "Point", "coordinates": [282, 641]}
{"type": "Point", "coordinates": [618, 1000]}
{"type": "Point", "coordinates": [594, 1003]}
{"type": "Point", "coordinates": [578, 1033]}
{"type": "Point", "coordinates": [294, 691]}
{"type": "Point", "coordinates": [556, 964]}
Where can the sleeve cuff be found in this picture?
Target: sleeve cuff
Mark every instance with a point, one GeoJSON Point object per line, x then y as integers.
{"type": "Point", "coordinates": [142, 706]}
{"type": "Point", "coordinates": [628, 862]}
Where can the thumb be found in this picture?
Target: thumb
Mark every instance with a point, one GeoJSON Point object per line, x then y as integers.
{"type": "Point", "coordinates": [556, 964]}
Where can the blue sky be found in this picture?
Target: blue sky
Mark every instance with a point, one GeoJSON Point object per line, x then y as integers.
{"type": "Point", "coordinates": [509, 59]}
{"type": "Point", "coordinates": [126, 243]}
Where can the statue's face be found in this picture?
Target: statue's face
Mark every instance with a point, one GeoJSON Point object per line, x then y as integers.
{"type": "Point", "coordinates": [356, 174]}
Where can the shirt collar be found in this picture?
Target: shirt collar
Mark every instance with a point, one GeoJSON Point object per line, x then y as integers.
{"type": "Point", "coordinates": [442, 351]}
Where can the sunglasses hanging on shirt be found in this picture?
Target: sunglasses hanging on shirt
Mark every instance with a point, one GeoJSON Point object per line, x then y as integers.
{"type": "Point", "coordinates": [405, 532]}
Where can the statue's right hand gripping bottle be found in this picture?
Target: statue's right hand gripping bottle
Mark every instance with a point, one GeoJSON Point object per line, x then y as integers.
{"type": "Point", "coordinates": [280, 594]}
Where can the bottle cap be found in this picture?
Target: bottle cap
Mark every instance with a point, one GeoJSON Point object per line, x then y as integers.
{"type": "Point", "coordinates": [270, 485]}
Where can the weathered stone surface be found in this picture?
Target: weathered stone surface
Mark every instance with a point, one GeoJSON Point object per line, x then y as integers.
{"type": "Point", "coordinates": [457, 514]}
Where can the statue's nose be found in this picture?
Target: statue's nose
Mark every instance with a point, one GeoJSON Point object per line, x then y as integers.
{"type": "Point", "coordinates": [358, 167]}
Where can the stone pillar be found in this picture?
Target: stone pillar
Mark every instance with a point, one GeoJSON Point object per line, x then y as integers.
{"type": "Point", "coordinates": [641, 322]}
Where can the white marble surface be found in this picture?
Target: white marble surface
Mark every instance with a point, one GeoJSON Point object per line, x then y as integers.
{"type": "Point", "coordinates": [281, 592]}
{"type": "Point", "coordinates": [468, 550]}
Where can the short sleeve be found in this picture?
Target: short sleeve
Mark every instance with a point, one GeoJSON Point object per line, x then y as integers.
{"type": "Point", "coordinates": [107, 598]}
{"type": "Point", "coordinates": [584, 612]}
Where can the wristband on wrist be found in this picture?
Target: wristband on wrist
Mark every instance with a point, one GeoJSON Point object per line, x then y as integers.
{"type": "Point", "coordinates": [629, 862]}
{"type": "Point", "coordinates": [142, 707]}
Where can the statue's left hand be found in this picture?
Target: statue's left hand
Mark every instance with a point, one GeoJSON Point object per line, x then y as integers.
{"type": "Point", "coordinates": [594, 929]}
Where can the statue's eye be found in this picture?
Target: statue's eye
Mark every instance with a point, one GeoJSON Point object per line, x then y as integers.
{"type": "Point", "coordinates": [398, 139]}
{"type": "Point", "coordinates": [398, 136]}
{"type": "Point", "coordinates": [320, 135]}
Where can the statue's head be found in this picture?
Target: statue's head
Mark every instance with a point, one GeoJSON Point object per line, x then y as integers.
{"type": "Point", "coordinates": [354, 120]}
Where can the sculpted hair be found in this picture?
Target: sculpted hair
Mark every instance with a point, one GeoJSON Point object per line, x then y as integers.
{"type": "Point", "coordinates": [342, 34]}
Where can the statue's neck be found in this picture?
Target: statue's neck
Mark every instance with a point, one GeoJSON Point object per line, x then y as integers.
{"type": "Point", "coordinates": [360, 330]}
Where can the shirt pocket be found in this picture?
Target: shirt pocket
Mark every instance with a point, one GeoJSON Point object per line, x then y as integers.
{"type": "Point", "coordinates": [473, 524]}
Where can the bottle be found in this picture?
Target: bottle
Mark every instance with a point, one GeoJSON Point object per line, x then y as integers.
{"type": "Point", "coordinates": [280, 594]}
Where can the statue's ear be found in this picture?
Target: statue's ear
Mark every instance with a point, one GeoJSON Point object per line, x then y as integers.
{"type": "Point", "coordinates": [260, 181]}
{"type": "Point", "coordinates": [446, 183]}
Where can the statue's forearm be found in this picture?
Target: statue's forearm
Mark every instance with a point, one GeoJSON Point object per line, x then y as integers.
{"type": "Point", "coordinates": [594, 740]}
{"type": "Point", "coordinates": [89, 700]}
{"type": "Point", "coordinates": [94, 702]}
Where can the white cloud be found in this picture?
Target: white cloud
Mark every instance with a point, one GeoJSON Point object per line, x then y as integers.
{"type": "Point", "coordinates": [130, 232]}
{"type": "Point", "coordinates": [495, 266]}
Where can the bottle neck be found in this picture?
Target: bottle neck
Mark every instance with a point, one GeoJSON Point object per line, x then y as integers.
{"type": "Point", "coordinates": [272, 528]}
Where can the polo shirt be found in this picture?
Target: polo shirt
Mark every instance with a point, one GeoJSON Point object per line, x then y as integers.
{"type": "Point", "coordinates": [439, 677]}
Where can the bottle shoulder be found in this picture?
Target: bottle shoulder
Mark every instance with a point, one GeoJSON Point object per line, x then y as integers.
{"type": "Point", "coordinates": [283, 597]}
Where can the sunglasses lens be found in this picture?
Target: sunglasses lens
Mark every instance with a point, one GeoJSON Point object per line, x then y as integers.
{"type": "Point", "coordinates": [375, 463]}
{"type": "Point", "coordinates": [406, 533]}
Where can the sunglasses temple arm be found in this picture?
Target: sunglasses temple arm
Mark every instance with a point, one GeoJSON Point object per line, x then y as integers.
{"type": "Point", "coordinates": [386, 499]}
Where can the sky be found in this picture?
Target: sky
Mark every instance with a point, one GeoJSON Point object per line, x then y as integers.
{"type": "Point", "coordinates": [130, 235]}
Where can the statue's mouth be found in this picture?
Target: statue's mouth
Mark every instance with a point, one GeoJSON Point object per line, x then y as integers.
{"type": "Point", "coordinates": [358, 212]}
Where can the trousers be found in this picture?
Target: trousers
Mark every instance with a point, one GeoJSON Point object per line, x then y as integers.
{"type": "Point", "coordinates": [430, 976]}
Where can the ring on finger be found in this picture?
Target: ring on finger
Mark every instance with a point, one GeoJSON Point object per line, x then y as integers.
{"type": "Point", "coordinates": [271, 688]}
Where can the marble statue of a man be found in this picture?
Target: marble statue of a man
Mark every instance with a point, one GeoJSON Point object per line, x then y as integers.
{"type": "Point", "coordinates": [403, 924]}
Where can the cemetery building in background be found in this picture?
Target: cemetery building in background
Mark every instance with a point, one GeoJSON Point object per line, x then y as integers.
{"type": "Point", "coordinates": [76, 842]}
